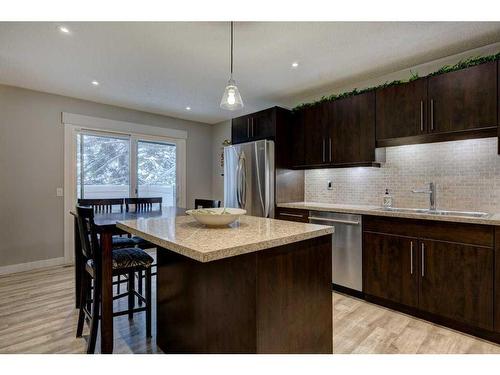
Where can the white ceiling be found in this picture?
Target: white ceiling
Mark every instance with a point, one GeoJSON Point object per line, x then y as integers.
{"type": "Point", "coordinates": [162, 67]}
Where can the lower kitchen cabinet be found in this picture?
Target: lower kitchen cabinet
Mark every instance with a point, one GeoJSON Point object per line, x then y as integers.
{"type": "Point", "coordinates": [456, 281]}
{"type": "Point", "coordinates": [389, 267]}
{"type": "Point", "coordinates": [437, 269]}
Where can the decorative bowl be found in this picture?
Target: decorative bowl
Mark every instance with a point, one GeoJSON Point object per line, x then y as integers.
{"type": "Point", "coordinates": [216, 217]}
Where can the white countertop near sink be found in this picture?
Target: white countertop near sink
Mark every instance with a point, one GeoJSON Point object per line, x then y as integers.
{"type": "Point", "coordinates": [493, 219]}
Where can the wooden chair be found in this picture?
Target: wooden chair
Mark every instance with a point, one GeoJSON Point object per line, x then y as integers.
{"type": "Point", "coordinates": [126, 261]}
{"type": "Point", "coordinates": [143, 205]}
{"type": "Point", "coordinates": [102, 205]}
{"type": "Point", "coordinates": [109, 205]}
{"type": "Point", "coordinates": [206, 203]}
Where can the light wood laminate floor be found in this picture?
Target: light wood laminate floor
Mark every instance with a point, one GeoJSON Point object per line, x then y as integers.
{"type": "Point", "coordinates": [37, 315]}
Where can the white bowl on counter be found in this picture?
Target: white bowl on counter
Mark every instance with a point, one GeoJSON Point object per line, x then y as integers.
{"type": "Point", "coordinates": [216, 217]}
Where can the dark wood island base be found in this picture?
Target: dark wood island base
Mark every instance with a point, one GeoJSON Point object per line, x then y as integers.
{"type": "Point", "coordinates": [277, 300]}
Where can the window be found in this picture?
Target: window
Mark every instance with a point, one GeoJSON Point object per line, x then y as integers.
{"type": "Point", "coordinates": [102, 166]}
{"type": "Point", "coordinates": [156, 171]}
{"type": "Point", "coordinates": [120, 166]}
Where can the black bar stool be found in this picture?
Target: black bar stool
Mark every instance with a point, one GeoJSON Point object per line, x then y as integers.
{"type": "Point", "coordinates": [109, 205]}
{"type": "Point", "coordinates": [143, 205]}
{"type": "Point", "coordinates": [126, 261]}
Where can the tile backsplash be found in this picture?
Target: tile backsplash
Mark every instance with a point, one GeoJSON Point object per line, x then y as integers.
{"type": "Point", "coordinates": [466, 173]}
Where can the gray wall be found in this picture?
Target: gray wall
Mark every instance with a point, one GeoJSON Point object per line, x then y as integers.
{"type": "Point", "coordinates": [220, 132]}
{"type": "Point", "coordinates": [32, 166]}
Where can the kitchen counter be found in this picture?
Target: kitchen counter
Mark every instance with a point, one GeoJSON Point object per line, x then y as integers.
{"type": "Point", "coordinates": [258, 286]}
{"type": "Point", "coordinates": [493, 219]}
{"type": "Point", "coordinates": [185, 236]}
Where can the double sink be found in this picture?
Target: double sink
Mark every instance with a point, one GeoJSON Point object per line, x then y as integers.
{"type": "Point", "coordinates": [436, 212]}
{"type": "Point", "coordinates": [431, 190]}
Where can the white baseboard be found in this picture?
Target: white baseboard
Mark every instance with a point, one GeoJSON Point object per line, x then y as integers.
{"type": "Point", "coordinates": [21, 267]}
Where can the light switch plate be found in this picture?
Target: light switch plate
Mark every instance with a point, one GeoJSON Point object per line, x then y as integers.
{"type": "Point", "coordinates": [59, 192]}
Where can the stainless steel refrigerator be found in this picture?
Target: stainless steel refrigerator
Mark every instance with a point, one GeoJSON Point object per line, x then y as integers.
{"type": "Point", "coordinates": [249, 177]}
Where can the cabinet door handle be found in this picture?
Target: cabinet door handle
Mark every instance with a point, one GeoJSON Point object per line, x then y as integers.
{"type": "Point", "coordinates": [330, 148]}
{"type": "Point", "coordinates": [248, 127]}
{"type": "Point", "coordinates": [432, 114]}
{"type": "Point", "coordinates": [421, 115]}
{"type": "Point", "coordinates": [411, 257]}
{"type": "Point", "coordinates": [324, 159]}
{"type": "Point", "coordinates": [252, 128]}
{"type": "Point", "coordinates": [350, 222]}
{"type": "Point", "coordinates": [292, 215]}
{"type": "Point", "coordinates": [423, 259]}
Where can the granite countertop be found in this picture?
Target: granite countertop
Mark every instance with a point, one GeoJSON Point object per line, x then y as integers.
{"type": "Point", "coordinates": [493, 219]}
{"type": "Point", "coordinates": [185, 236]}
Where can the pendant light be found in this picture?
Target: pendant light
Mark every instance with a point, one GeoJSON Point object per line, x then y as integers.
{"type": "Point", "coordinates": [231, 99]}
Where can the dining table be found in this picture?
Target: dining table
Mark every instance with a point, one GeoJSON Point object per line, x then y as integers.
{"type": "Point", "coordinates": [106, 225]}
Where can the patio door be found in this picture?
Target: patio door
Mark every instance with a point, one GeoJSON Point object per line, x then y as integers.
{"type": "Point", "coordinates": [111, 165]}
{"type": "Point", "coordinates": [155, 170]}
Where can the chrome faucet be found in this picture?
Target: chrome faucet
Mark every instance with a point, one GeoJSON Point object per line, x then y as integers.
{"type": "Point", "coordinates": [432, 195]}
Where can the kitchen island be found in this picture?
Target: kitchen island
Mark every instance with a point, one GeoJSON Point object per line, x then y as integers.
{"type": "Point", "coordinates": [258, 286]}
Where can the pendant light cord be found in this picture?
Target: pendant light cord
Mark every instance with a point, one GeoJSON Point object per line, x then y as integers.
{"type": "Point", "coordinates": [231, 49]}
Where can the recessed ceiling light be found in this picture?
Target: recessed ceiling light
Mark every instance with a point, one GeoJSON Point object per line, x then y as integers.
{"type": "Point", "coordinates": [63, 29]}
{"type": "Point", "coordinates": [95, 83]}
{"type": "Point", "coordinates": [295, 64]}
{"type": "Point", "coordinates": [188, 108]}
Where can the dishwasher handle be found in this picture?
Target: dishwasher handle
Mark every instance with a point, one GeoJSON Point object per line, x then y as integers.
{"type": "Point", "coordinates": [351, 222]}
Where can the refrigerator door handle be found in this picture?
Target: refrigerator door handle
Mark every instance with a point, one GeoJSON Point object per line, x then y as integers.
{"type": "Point", "coordinates": [259, 180]}
{"type": "Point", "coordinates": [242, 180]}
{"type": "Point", "coordinates": [268, 181]}
{"type": "Point", "coordinates": [238, 193]}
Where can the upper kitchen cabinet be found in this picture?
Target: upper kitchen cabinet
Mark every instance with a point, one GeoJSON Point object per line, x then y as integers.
{"type": "Point", "coordinates": [352, 129]}
{"type": "Point", "coordinates": [401, 110]}
{"type": "Point", "coordinates": [451, 106]}
{"type": "Point", "coordinates": [274, 123]}
{"type": "Point", "coordinates": [337, 134]}
{"type": "Point", "coordinates": [297, 147]}
{"type": "Point", "coordinates": [262, 124]}
{"type": "Point", "coordinates": [463, 100]}
{"type": "Point", "coordinates": [258, 125]}
{"type": "Point", "coordinates": [240, 130]}
{"type": "Point", "coordinates": [498, 106]}
{"type": "Point", "coordinates": [315, 120]}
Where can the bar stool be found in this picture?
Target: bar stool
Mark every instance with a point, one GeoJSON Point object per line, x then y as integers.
{"type": "Point", "coordinates": [143, 205]}
{"type": "Point", "coordinates": [126, 261]}
{"type": "Point", "coordinates": [110, 205]}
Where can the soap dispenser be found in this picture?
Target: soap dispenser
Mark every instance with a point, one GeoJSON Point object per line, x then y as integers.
{"type": "Point", "coordinates": [387, 201]}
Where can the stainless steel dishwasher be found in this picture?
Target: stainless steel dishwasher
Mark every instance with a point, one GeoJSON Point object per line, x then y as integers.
{"type": "Point", "coordinates": [346, 247]}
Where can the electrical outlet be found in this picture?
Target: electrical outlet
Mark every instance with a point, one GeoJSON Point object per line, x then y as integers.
{"type": "Point", "coordinates": [59, 192]}
{"type": "Point", "coordinates": [330, 186]}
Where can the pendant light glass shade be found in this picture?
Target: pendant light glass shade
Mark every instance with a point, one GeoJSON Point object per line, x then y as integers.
{"type": "Point", "coordinates": [231, 99]}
